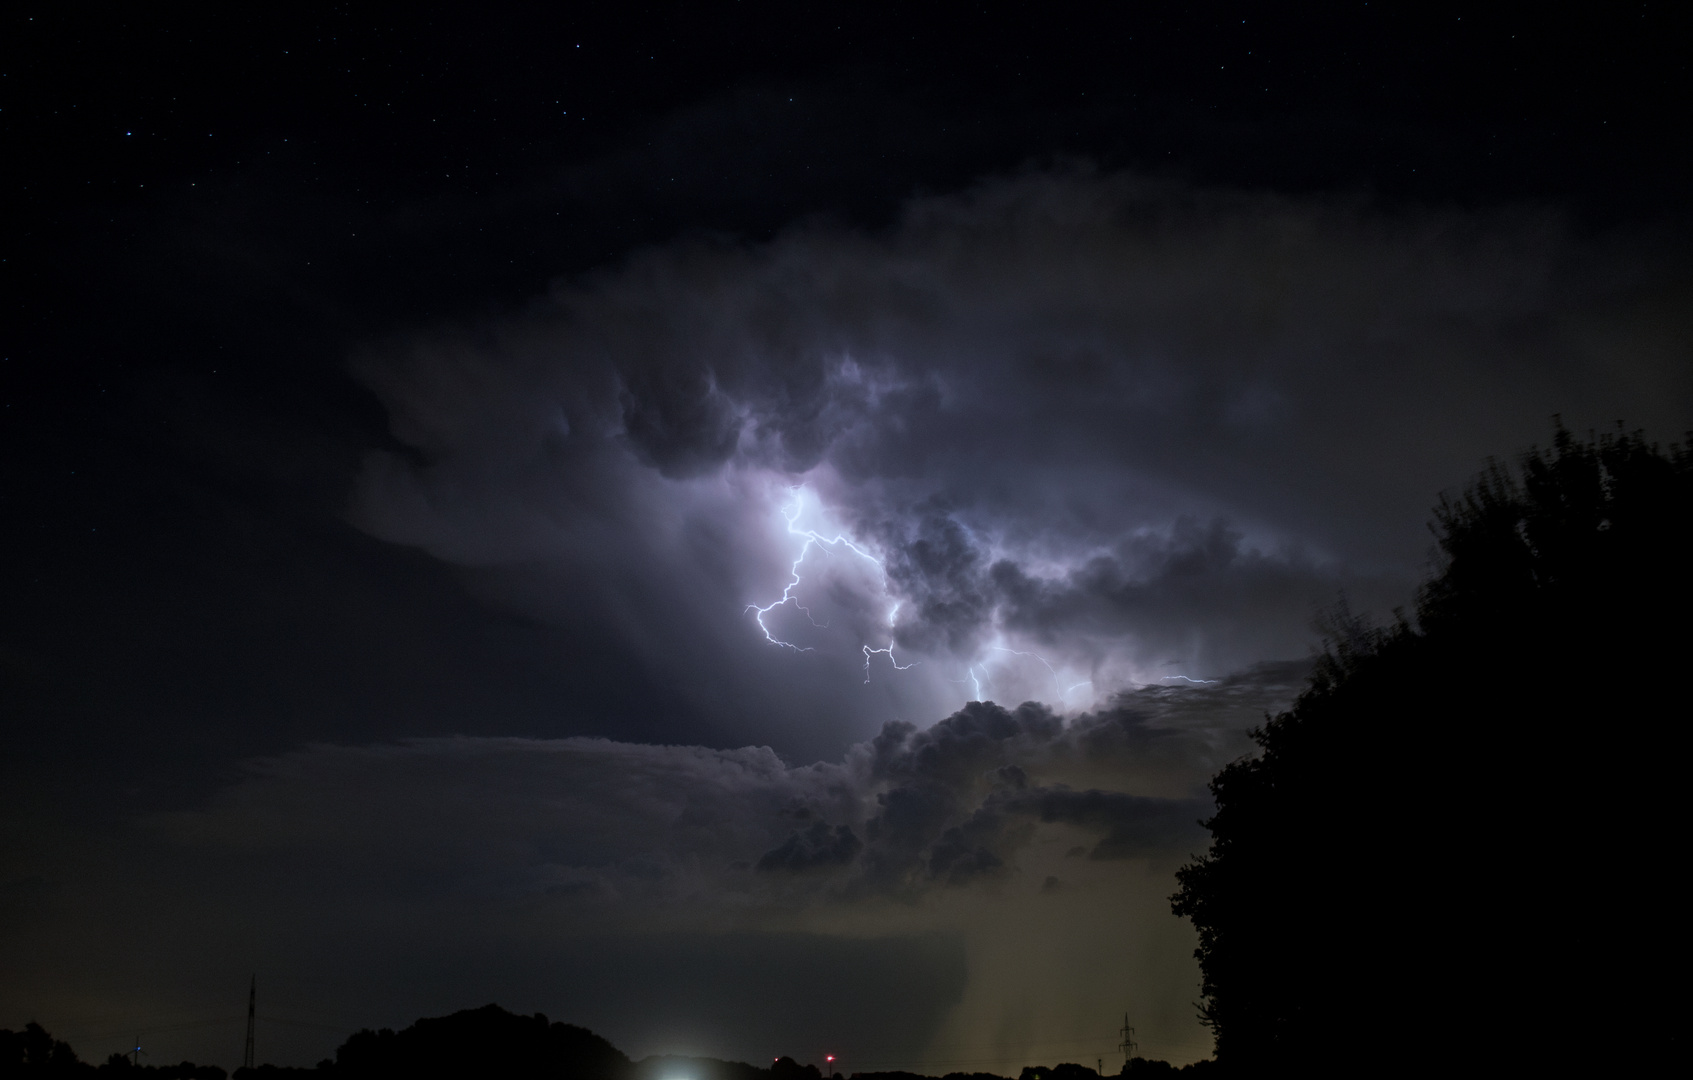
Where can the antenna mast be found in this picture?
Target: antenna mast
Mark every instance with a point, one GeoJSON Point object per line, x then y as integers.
{"type": "Point", "coordinates": [253, 1000]}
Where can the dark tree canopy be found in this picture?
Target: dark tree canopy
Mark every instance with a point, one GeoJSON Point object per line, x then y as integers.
{"type": "Point", "coordinates": [482, 1042]}
{"type": "Point", "coordinates": [1456, 848]}
{"type": "Point", "coordinates": [33, 1052]}
{"type": "Point", "coordinates": [485, 1042]}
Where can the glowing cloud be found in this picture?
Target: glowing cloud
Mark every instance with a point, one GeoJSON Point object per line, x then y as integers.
{"type": "Point", "coordinates": [791, 514]}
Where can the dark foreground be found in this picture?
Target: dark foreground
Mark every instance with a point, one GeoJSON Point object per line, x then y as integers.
{"type": "Point", "coordinates": [484, 1042]}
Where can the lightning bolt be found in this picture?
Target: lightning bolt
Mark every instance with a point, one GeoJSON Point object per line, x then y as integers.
{"type": "Point", "coordinates": [977, 682]}
{"type": "Point", "coordinates": [813, 538]}
{"type": "Point", "coordinates": [1184, 678]}
{"type": "Point", "coordinates": [1063, 691]}
{"type": "Point", "coordinates": [869, 652]}
{"type": "Point", "coordinates": [1055, 683]}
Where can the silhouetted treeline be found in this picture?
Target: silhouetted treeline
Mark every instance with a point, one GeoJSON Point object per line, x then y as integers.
{"type": "Point", "coordinates": [1134, 1067]}
{"type": "Point", "coordinates": [473, 1043]}
{"type": "Point", "coordinates": [485, 1041]}
{"type": "Point", "coordinates": [33, 1052]}
{"type": "Point", "coordinates": [1152, 1069]}
{"type": "Point", "coordinates": [1457, 846]}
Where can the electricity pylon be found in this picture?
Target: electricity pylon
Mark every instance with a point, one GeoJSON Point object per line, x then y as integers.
{"type": "Point", "coordinates": [253, 1000]}
{"type": "Point", "coordinates": [1128, 1046]}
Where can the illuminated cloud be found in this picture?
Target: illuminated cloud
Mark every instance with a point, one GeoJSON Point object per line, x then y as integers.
{"type": "Point", "coordinates": [1064, 433]}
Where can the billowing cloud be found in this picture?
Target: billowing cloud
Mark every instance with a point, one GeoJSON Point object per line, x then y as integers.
{"type": "Point", "coordinates": [596, 822]}
{"type": "Point", "coordinates": [1091, 432]}
{"type": "Point", "coordinates": [576, 876]}
{"type": "Point", "coordinates": [816, 847]}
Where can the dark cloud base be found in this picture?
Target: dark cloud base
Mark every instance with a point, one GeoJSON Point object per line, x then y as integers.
{"type": "Point", "coordinates": [662, 895]}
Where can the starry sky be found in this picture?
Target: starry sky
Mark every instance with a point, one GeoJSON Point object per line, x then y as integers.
{"type": "Point", "coordinates": [746, 527]}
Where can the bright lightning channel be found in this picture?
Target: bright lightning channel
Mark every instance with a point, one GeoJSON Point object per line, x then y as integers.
{"type": "Point", "coordinates": [790, 514]}
{"type": "Point", "coordinates": [1197, 682]}
{"type": "Point", "coordinates": [869, 652]}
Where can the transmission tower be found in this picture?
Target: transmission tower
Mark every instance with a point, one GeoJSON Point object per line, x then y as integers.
{"type": "Point", "coordinates": [252, 1002]}
{"type": "Point", "coordinates": [1128, 1046]}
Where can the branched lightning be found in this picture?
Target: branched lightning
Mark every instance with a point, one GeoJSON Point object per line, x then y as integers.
{"type": "Point", "coordinates": [1184, 678]}
{"type": "Point", "coordinates": [1054, 671]}
{"type": "Point", "coordinates": [976, 681]}
{"type": "Point", "coordinates": [869, 652]}
{"type": "Point", "coordinates": [893, 613]}
{"type": "Point", "coordinates": [812, 537]}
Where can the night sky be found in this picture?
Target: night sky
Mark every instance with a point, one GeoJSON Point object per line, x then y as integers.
{"type": "Point", "coordinates": [746, 527]}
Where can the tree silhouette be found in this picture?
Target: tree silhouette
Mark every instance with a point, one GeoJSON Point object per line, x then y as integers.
{"type": "Point", "coordinates": [1457, 845]}
{"type": "Point", "coordinates": [34, 1052]}
{"type": "Point", "coordinates": [481, 1042]}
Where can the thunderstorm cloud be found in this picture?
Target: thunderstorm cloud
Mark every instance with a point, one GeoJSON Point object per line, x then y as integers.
{"type": "Point", "coordinates": [895, 863]}
{"type": "Point", "coordinates": [923, 576]}
{"type": "Point", "coordinates": [1089, 432]}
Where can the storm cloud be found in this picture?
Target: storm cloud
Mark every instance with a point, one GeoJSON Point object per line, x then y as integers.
{"type": "Point", "coordinates": [579, 875]}
{"type": "Point", "coordinates": [1074, 433]}
{"type": "Point", "coordinates": [951, 560]}
{"type": "Point", "coordinates": [598, 822]}
{"type": "Point", "coordinates": [749, 533]}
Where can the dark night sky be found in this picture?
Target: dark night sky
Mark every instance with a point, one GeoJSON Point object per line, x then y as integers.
{"type": "Point", "coordinates": [401, 408]}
